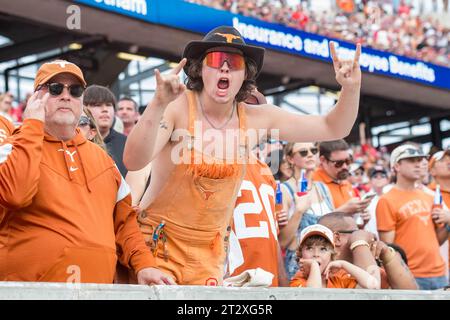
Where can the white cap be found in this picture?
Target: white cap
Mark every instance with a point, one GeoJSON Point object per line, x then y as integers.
{"type": "Point", "coordinates": [405, 151]}
{"type": "Point", "coordinates": [316, 229]}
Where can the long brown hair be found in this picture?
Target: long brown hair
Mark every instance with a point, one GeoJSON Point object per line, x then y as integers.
{"type": "Point", "coordinates": [97, 139]}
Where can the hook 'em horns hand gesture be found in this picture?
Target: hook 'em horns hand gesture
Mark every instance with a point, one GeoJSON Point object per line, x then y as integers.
{"type": "Point", "coordinates": [348, 72]}
{"type": "Point", "coordinates": [168, 87]}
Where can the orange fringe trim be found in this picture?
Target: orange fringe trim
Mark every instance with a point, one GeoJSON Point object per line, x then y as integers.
{"type": "Point", "coordinates": [213, 170]}
{"type": "Point", "coordinates": [216, 170]}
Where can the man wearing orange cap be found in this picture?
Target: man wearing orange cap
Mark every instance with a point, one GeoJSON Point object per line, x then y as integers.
{"type": "Point", "coordinates": [67, 209]}
{"type": "Point", "coordinates": [194, 185]}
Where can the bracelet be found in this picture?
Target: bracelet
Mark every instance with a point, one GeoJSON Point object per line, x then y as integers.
{"type": "Point", "coordinates": [358, 243]}
{"type": "Point", "coordinates": [389, 259]}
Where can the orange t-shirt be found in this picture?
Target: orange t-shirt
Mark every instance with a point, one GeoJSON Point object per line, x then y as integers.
{"type": "Point", "coordinates": [340, 279]}
{"type": "Point", "coordinates": [253, 238]}
{"type": "Point", "coordinates": [408, 213]}
{"type": "Point", "coordinates": [341, 192]}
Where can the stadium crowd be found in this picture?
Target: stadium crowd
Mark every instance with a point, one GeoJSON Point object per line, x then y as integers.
{"type": "Point", "coordinates": [385, 25]}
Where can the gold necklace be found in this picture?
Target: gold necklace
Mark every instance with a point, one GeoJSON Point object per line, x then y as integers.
{"type": "Point", "coordinates": [210, 123]}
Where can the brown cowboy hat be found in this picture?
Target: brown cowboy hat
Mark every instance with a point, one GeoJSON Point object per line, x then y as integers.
{"type": "Point", "coordinates": [223, 36]}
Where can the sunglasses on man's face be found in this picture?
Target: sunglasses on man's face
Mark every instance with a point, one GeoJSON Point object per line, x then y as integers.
{"type": "Point", "coordinates": [55, 89]}
{"type": "Point", "coordinates": [347, 231]}
{"type": "Point", "coordinates": [340, 163]}
{"type": "Point", "coordinates": [84, 121]}
{"type": "Point", "coordinates": [304, 152]}
{"type": "Point", "coordinates": [216, 60]}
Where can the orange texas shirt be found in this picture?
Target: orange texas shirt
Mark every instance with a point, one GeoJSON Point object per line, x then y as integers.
{"type": "Point", "coordinates": [339, 279]}
{"type": "Point", "coordinates": [253, 240]}
{"type": "Point", "coordinates": [408, 213]}
{"type": "Point", "coordinates": [68, 211]}
{"type": "Point", "coordinates": [341, 192]}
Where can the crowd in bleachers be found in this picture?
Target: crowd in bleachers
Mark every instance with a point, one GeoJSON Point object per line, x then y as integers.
{"type": "Point", "coordinates": [376, 24]}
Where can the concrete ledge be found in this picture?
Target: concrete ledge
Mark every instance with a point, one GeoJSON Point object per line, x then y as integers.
{"type": "Point", "coordinates": [63, 291]}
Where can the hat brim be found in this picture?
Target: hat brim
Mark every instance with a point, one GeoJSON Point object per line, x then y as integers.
{"type": "Point", "coordinates": [373, 173]}
{"type": "Point", "coordinates": [317, 233]}
{"type": "Point", "coordinates": [410, 157]}
{"type": "Point", "coordinates": [195, 50]}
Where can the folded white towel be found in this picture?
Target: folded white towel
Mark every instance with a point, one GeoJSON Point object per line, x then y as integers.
{"type": "Point", "coordinates": [250, 278]}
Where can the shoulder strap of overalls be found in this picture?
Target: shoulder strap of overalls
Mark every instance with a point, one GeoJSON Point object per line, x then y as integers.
{"type": "Point", "coordinates": [192, 102]}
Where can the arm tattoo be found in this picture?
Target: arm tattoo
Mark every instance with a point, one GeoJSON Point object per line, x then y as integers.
{"type": "Point", "coordinates": [163, 124]}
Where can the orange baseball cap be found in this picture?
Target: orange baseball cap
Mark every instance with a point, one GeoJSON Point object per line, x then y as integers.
{"type": "Point", "coordinates": [438, 156]}
{"type": "Point", "coordinates": [316, 229]}
{"type": "Point", "coordinates": [50, 69]}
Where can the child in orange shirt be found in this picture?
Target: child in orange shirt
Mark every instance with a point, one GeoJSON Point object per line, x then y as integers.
{"type": "Point", "coordinates": [318, 269]}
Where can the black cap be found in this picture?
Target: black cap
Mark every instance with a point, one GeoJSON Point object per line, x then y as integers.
{"type": "Point", "coordinates": [223, 36]}
{"type": "Point", "coordinates": [377, 169]}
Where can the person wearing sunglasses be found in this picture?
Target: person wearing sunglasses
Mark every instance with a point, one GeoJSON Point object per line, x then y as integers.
{"type": "Point", "coordinates": [89, 129]}
{"type": "Point", "coordinates": [66, 206]}
{"type": "Point", "coordinates": [404, 217]}
{"type": "Point", "coordinates": [379, 179]}
{"type": "Point", "coordinates": [333, 171]}
{"type": "Point", "coordinates": [362, 248]}
{"type": "Point", "coordinates": [221, 71]}
{"type": "Point", "coordinates": [306, 210]}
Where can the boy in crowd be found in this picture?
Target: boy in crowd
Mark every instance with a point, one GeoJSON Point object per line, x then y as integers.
{"type": "Point", "coordinates": [361, 248]}
{"type": "Point", "coordinates": [318, 267]}
{"type": "Point", "coordinates": [102, 104]}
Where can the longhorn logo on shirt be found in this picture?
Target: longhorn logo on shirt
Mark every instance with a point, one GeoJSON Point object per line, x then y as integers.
{"type": "Point", "coordinates": [230, 37]}
{"type": "Point", "coordinates": [70, 154]}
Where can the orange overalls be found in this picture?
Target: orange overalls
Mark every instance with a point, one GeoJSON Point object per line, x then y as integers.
{"type": "Point", "coordinates": [196, 205]}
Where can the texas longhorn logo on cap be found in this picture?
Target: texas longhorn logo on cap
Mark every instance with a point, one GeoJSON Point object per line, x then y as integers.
{"type": "Point", "coordinates": [61, 63]}
{"type": "Point", "coordinates": [230, 37]}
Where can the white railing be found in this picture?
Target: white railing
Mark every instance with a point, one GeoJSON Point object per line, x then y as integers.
{"type": "Point", "coordinates": [62, 291]}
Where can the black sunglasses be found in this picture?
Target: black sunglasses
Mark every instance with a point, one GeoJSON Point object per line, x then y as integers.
{"type": "Point", "coordinates": [340, 163]}
{"type": "Point", "coordinates": [84, 121]}
{"type": "Point", "coordinates": [304, 152]}
{"type": "Point", "coordinates": [346, 231]}
{"type": "Point", "coordinates": [56, 88]}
